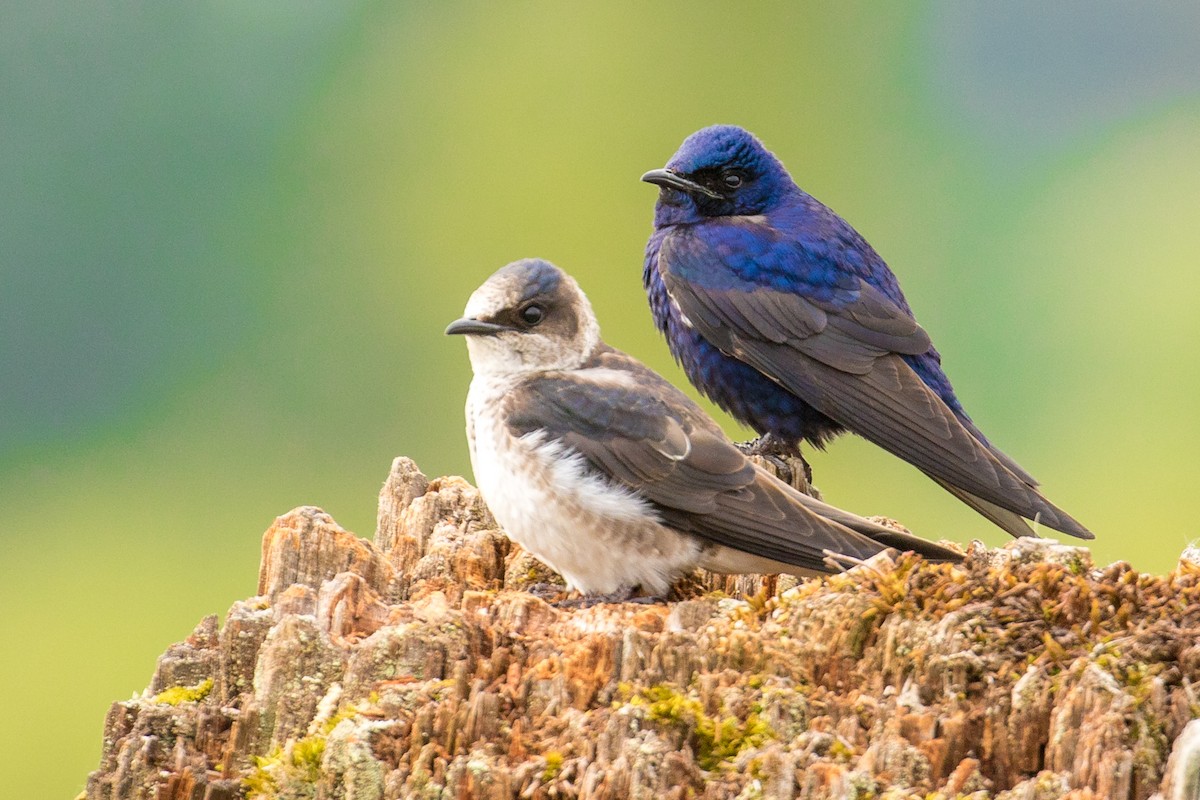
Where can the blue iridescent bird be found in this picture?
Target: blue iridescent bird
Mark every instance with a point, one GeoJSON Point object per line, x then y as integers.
{"type": "Point", "coordinates": [783, 315]}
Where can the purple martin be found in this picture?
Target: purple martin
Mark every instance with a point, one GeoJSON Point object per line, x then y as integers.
{"type": "Point", "coordinates": [612, 476]}
{"type": "Point", "coordinates": [784, 316]}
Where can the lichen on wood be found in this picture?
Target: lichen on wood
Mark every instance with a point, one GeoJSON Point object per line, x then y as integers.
{"type": "Point", "coordinates": [419, 666]}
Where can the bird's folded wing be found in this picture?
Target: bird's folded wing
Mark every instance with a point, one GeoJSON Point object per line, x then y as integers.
{"type": "Point", "coordinates": [694, 479]}
{"type": "Point", "coordinates": [842, 355]}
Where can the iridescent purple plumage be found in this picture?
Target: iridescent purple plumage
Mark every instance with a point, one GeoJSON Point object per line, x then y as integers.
{"type": "Point", "coordinates": [782, 314]}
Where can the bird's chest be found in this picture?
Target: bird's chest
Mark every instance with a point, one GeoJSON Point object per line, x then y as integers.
{"type": "Point", "coordinates": [747, 394]}
{"type": "Point", "coordinates": [540, 506]}
{"type": "Point", "coordinates": [686, 344]}
{"type": "Point", "coordinates": [512, 482]}
{"type": "Point", "coordinates": [544, 497]}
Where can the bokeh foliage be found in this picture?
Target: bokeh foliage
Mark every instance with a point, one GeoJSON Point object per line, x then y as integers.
{"type": "Point", "coordinates": [234, 232]}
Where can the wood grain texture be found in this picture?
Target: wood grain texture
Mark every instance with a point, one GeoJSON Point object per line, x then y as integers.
{"type": "Point", "coordinates": [422, 666]}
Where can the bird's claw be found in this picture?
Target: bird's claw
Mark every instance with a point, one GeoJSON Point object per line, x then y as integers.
{"type": "Point", "coordinates": [549, 592]}
{"type": "Point", "coordinates": [628, 595]}
{"type": "Point", "coordinates": [781, 454]}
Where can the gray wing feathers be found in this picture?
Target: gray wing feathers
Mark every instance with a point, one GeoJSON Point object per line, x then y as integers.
{"type": "Point", "coordinates": [1009, 521]}
{"type": "Point", "coordinates": [847, 366]}
{"type": "Point", "coordinates": [639, 435]}
{"type": "Point", "coordinates": [891, 406]}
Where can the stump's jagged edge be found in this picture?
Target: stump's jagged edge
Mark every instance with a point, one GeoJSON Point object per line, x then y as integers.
{"type": "Point", "coordinates": [416, 666]}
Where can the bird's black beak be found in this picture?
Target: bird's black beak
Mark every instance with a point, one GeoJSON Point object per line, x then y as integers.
{"type": "Point", "coordinates": [673, 180]}
{"type": "Point", "coordinates": [474, 327]}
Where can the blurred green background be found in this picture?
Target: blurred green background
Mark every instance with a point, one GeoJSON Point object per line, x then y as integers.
{"type": "Point", "coordinates": [232, 234]}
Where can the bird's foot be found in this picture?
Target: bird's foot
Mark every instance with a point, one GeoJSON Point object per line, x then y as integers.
{"type": "Point", "coordinates": [782, 456]}
{"type": "Point", "coordinates": [627, 595]}
{"type": "Point", "coordinates": [550, 592]}
{"type": "Point", "coordinates": [769, 445]}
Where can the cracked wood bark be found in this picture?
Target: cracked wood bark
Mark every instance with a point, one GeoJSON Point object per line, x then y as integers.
{"type": "Point", "coordinates": [417, 666]}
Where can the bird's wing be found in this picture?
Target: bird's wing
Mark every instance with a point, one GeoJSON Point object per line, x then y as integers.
{"type": "Point", "coordinates": [840, 351]}
{"type": "Point", "coordinates": [630, 434]}
{"type": "Point", "coordinates": [1002, 518]}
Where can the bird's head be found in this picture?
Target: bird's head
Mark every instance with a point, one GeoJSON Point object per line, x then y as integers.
{"type": "Point", "coordinates": [719, 171]}
{"type": "Point", "coordinates": [529, 316]}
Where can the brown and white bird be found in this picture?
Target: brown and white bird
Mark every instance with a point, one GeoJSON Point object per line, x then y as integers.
{"type": "Point", "coordinates": [609, 474]}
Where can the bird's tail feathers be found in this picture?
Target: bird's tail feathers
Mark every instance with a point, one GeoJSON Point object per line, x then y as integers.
{"type": "Point", "coordinates": [1016, 524]}
{"type": "Point", "coordinates": [1012, 522]}
{"type": "Point", "coordinates": [1001, 456]}
{"type": "Point", "coordinates": [882, 534]}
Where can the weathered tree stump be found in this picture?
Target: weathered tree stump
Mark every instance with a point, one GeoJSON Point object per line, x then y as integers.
{"type": "Point", "coordinates": [417, 666]}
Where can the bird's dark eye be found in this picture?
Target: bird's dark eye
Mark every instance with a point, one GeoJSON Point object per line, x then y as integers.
{"type": "Point", "coordinates": [532, 314]}
{"type": "Point", "coordinates": [732, 179]}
